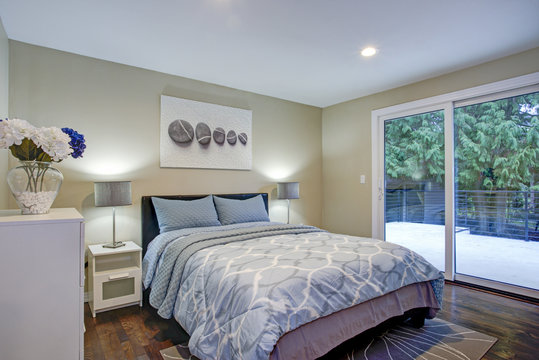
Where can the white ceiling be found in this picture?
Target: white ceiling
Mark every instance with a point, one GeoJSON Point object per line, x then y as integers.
{"type": "Point", "coordinates": [299, 50]}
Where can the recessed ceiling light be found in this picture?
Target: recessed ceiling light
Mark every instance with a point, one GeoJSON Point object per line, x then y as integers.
{"type": "Point", "coordinates": [368, 51]}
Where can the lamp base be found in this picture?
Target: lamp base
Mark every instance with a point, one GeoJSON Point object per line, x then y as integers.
{"type": "Point", "coordinates": [288, 216]}
{"type": "Point", "coordinates": [114, 245]}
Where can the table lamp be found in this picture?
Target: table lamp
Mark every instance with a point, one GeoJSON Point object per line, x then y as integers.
{"type": "Point", "coordinates": [288, 190]}
{"type": "Point", "coordinates": [113, 193]}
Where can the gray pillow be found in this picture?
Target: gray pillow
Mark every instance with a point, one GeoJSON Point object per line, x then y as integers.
{"type": "Point", "coordinates": [180, 214]}
{"type": "Point", "coordinates": [232, 211]}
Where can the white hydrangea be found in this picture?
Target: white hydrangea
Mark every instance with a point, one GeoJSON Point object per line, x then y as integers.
{"type": "Point", "coordinates": [13, 131]}
{"type": "Point", "coordinates": [54, 142]}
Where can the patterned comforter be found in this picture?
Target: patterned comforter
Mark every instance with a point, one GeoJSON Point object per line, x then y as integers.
{"type": "Point", "coordinates": [238, 289]}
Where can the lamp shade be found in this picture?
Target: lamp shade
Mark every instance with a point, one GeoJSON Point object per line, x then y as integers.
{"type": "Point", "coordinates": [112, 193]}
{"type": "Point", "coordinates": [288, 190]}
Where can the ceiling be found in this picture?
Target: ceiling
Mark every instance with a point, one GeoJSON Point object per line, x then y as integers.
{"type": "Point", "coordinates": [300, 50]}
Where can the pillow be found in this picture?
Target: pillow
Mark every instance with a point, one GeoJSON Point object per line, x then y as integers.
{"type": "Point", "coordinates": [180, 214]}
{"type": "Point", "coordinates": [232, 211]}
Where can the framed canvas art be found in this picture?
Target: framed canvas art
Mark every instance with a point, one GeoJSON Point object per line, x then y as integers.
{"type": "Point", "coordinates": [196, 134]}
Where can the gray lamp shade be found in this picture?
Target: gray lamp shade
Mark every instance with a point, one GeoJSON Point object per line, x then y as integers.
{"type": "Point", "coordinates": [288, 190]}
{"type": "Point", "coordinates": [112, 193]}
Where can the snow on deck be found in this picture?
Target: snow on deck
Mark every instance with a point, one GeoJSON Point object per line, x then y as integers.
{"type": "Point", "coordinates": [500, 259]}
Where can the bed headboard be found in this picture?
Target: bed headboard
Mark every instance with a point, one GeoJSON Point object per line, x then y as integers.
{"type": "Point", "coordinates": [150, 226]}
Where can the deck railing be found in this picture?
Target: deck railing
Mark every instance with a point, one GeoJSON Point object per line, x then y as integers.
{"type": "Point", "coordinates": [508, 214]}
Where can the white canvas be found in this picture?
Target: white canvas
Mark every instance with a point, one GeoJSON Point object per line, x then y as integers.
{"type": "Point", "coordinates": [213, 155]}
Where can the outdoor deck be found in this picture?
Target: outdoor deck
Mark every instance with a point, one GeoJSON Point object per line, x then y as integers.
{"type": "Point", "coordinates": [500, 259]}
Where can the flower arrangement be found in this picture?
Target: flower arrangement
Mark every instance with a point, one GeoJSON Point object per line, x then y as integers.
{"type": "Point", "coordinates": [28, 143]}
{"type": "Point", "coordinates": [34, 183]}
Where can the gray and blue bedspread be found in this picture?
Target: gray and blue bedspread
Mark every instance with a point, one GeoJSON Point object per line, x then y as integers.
{"type": "Point", "coordinates": [236, 291]}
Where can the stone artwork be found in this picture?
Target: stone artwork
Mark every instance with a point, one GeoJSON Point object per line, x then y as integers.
{"type": "Point", "coordinates": [231, 137]}
{"type": "Point", "coordinates": [219, 135]}
{"type": "Point", "coordinates": [181, 131]}
{"type": "Point", "coordinates": [243, 138]}
{"type": "Point", "coordinates": [203, 133]}
{"type": "Point", "coordinates": [183, 121]}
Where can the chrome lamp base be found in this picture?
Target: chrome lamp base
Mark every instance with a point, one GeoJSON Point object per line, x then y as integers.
{"type": "Point", "coordinates": [288, 215]}
{"type": "Point", "coordinates": [114, 245]}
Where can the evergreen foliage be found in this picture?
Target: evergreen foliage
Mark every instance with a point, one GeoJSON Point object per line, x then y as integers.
{"type": "Point", "coordinates": [496, 152]}
{"type": "Point", "coordinates": [414, 147]}
{"type": "Point", "coordinates": [496, 145]}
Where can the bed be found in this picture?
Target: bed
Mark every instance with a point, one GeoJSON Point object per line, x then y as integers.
{"type": "Point", "coordinates": [243, 287]}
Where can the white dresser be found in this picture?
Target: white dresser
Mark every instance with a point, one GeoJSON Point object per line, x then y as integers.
{"type": "Point", "coordinates": [42, 291]}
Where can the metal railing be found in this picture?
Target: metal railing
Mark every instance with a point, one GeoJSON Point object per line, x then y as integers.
{"type": "Point", "coordinates": [508, 214]}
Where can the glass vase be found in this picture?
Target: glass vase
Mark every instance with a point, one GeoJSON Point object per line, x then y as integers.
{"type": "Point", "coordinates": [34, 185]}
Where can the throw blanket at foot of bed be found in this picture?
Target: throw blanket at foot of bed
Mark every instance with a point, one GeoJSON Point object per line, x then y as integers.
{"type": "Point", "coordinates": [242, 292]}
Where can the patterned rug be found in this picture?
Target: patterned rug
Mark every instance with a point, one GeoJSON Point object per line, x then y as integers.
{"type": "Point", "coordinates": [437, 340]}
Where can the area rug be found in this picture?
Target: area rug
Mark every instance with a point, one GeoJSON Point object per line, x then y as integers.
{"type": "Point", "coordinates": [436, 340]}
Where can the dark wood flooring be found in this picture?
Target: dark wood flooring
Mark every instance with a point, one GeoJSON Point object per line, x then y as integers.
{"type": "Point", "coordinates": [138, 333]}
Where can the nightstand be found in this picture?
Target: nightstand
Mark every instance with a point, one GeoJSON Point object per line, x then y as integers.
{"type": "Point", "coordinates": [114, 277]}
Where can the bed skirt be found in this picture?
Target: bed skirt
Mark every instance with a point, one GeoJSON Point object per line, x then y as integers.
{"type": "Point", "coordinates": [318, 337]}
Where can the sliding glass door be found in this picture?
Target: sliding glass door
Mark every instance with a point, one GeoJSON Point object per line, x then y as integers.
{"type": "Point", "coordinates": [496, 163]}
{"type": "Point", "coordinates": [457, 180]}
{"type": "Point", "coordinates": [414, 209]}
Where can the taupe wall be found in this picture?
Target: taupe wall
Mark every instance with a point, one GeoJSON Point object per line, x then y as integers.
{"type": "Point", "coordinates": [346, 137]}
{"type": "Point", "coordinates": [4, 112]}
{"type": "Point", "coordinates": [116, 107]}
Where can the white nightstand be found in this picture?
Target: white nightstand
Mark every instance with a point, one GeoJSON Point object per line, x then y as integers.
{"type": "Point", "coordinates": [114, 277]}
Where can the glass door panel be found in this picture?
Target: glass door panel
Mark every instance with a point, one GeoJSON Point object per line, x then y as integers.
{"type": "Point", "coordinates": [414, 207]}
{"type": "Point", "coordinates": [496, 190]}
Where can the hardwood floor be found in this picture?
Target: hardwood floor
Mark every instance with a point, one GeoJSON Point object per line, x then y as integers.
{"type": "Point", "coordinates": [129, 333]}
{"type": "Point", "coordinates": [139, 333]}
{"type": "Point", "coordinates": [515, 323]}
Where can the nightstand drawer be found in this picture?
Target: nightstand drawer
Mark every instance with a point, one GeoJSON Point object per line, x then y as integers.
{"type": "Point", "coordinates": [114, 289]}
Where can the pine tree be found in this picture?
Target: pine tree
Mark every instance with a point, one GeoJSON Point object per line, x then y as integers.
{"type": "Point", "coordinates": [414, 147]}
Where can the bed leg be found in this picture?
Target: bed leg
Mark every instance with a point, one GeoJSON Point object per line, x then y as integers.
{"type": "Point", "coordinates": [417, 319]}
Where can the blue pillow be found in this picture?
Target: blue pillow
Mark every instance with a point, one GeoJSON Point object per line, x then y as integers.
{"type": "Point", "coordinates": [180, 214]}
{"type": "Point", "coordinates": [232, 211]}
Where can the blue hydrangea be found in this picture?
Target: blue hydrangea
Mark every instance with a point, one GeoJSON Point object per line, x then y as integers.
{"type": "Point", "coordinates": [76, 143]}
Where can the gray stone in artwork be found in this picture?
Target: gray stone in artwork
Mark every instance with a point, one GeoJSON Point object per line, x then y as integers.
{"type": "Point", "coordinates": [181, 131]}
{"type": "Point", "coordinates": [231, 137]}
{"type": "Point", "coordinates": [219, 135]}
{"type": "Point", "coordinates": [243, 138]}
{"type": "Point", "coordinates": [203, 133]}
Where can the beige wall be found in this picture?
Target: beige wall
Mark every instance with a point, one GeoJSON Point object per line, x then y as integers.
{"type": "Point", "coordinates": [4, 101]}
{"type": "Point", "coordinates": [346, 137]}
{"type": "Point", "coordinates": [116, 107]}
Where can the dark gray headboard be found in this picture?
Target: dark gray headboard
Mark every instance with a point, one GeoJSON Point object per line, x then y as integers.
{"type": "Point", "coordinates": [150, 226]}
